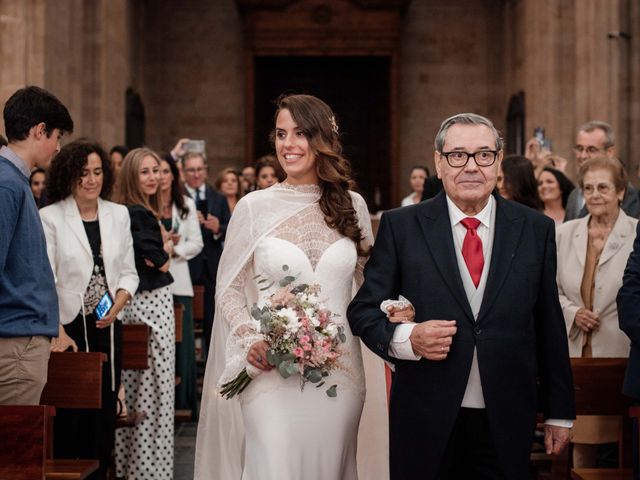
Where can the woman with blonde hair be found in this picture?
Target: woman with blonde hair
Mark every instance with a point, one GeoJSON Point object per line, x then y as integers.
{"type": "Point", "coordinates": [228, 184]}
{"type": "Point", "coordinates": [145, 451]}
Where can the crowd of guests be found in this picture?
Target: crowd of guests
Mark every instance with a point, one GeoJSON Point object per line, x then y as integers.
{"type": "Point", "coordinates": [140, 227]}
{"type": "Point", "coordinates": [145, 228]}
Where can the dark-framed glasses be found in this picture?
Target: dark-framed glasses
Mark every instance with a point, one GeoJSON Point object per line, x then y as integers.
{"type": "Point", "coordinates": [483, 158]}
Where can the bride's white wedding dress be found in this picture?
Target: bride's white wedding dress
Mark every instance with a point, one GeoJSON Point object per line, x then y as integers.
{"type": "Point", "coordinates": [291, 434]}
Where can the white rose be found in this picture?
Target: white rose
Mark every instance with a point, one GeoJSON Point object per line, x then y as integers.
{"type": "Point", "coordinates": [332, 329]}
{"type": "Point", "coordinates": [292, 318]}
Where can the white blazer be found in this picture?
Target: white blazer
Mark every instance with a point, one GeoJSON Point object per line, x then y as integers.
{"type": "Point", "coordinates": [189, 246]}
{"type": "Point", "coordinates": [571, 239]}
{"type": "Point", "coordinates": [70, 253]}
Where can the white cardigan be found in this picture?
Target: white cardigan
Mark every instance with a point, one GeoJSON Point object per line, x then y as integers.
{"type": "Point", "coordinates": [571, 239]}
{"type": "Point", "coordinates": [70, 253]}
{"type": "Point", "coordinates": [189, 246]}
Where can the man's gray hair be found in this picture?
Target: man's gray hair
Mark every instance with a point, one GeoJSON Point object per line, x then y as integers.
{"type": "Point", "coordinates": [610, 136]}
{"type": "Point", "coordinates": [466, 119]}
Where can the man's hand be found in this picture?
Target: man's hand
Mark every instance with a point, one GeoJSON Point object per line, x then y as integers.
{"type": "Point", "coordinates": [556, 439]}
{"type": "Point", "coordinates": [178, 151]}
{"type": "Point", "coordinates": [63, 341]}
{"type": "Point", "coordinates": [432, 339]}
{"type": "Point", "coordinates": [587, 320]}
{"type": "Point", "coordinates": [212, 223]}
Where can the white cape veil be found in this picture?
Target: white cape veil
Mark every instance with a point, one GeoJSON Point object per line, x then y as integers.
{"type": "Point", "coordinates": [220, 440]}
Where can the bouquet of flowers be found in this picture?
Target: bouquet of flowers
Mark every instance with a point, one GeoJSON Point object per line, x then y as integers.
{"type": "Point", "coordinates": [302, 335]}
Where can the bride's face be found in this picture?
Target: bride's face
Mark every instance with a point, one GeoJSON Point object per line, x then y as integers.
{"type": "Point", "coordinates": [293, 150]}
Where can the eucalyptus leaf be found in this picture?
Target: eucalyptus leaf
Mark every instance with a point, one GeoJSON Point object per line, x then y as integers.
{"type": "Point", "coordinates": [283, 369]}
{"type": "Point", "coordinates": [267, 287]}
{"type": "Point", "coordinates": [300, 288]}
{"type": "Point", "coordinates": [273, 358]}
{"type": "Point", "coordinates": [256, 312]}
{"type": "Point", "coordinates": [314, 375]}
{"type": "Point", "coordinates": [287, 280]}
{"type": "Point", "coordinates": [292, 368]}
{"type": "Point", "coordinates": [285, 267]}
{"type": "Point", "coordinates": [332, 391]}
{"type": "Point", "coordinates": [342, 337]}
{"type": "Point", "coordinates": [320, 384]}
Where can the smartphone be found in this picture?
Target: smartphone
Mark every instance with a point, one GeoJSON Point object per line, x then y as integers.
{"type": "Point", "coordinates": [103, 307]}
{"type": "Point", "coordinates": [194, 146]}
{"type": "Point", "coordinates": [545, 143]}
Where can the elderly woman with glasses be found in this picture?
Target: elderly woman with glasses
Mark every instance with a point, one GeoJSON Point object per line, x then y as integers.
{"type": "Point", "coordinates": [592, 254]}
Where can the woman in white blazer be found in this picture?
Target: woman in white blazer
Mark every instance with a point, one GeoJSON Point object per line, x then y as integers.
{"type": "Point", "coordinates": [179, 218]}
{"type": "Point", "coordinates": [592, 255]}
{"type": "Point", "coordinates": [90, 249]}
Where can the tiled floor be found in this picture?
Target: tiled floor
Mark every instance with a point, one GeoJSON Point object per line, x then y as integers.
{"type": "Point", "coordinates": [185, 448]}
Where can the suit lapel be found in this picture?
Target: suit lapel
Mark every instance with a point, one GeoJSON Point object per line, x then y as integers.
{"type": "Point", "coordinates": [436, 228]}
{"type": "Point", "coordinates": [580, 239]}
{"type": "Point", "coordinates": [508, 229]}
{"type": "Point", "coordinates": [74, 221]}
{"type": "Point", "coordinates": [616, 238]}
{"type": "Point", "coordinates": [107, 229]}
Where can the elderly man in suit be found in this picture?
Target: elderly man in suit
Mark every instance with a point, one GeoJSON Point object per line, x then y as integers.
{"type": "Point", "coordinates": [213, 215]}
{"type": "Point", "coordinates": [480, 272]}
{"type": "Point", "coordinates": [596, 138]}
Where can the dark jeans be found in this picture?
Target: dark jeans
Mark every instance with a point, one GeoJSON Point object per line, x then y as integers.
{"type": "Point", "coordinates": [85, 433]}
{"type": "Point", "coordinates": [470, 453]}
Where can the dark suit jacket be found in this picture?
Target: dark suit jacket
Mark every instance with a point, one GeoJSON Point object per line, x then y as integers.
{"type": "Point", "coordinates": [216, 205]}
{"type": "Point", "coordinates": [519, 334]}
{"type": "Point", "coordinates": [629, 317]}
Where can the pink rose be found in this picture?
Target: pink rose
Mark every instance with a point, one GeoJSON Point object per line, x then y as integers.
{"type": "Point", "coordinates": [298, 352]}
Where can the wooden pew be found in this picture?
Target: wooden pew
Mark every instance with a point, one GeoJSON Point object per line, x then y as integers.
{"type": "Point", "coordinates": [24, 433]}
{"type": "Point", "coordinates": [74, 380]}
{"type": "Point", "coordinates": [598, 391]}
{"type": "Point", "coordinates": [135, 346]}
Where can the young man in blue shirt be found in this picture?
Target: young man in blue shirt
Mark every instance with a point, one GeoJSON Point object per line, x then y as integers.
{"type": "Point", "coordinates": [35, 120]}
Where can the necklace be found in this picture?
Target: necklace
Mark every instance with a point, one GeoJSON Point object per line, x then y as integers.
{"type": "Point", "coordinates": [95, 217]}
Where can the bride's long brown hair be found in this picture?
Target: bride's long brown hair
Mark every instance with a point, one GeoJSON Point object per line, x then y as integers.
{"type": "Point", "coordinates": [318, 123]}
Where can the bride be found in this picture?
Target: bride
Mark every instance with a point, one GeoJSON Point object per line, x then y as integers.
{"type": "Point", "coordinates": [321, 231]}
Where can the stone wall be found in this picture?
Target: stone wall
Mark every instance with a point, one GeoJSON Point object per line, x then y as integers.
{"type": "Point", "coordinates": [450, 62]}
{"type": "Point", "coordinates": [192, 81]}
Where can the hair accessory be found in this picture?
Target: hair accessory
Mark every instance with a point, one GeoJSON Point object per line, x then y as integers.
{"type": "Point", "coordinates": [334, 125]}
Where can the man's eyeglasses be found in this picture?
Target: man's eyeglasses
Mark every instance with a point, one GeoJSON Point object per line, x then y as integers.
{"type": "Point", "coordinates": [603, 188]}
{"type": "Point", "coordinates": [192, 171]}
{"type": "Point", "coordinates": [591, 150]}
{"type": "Point", "coordinates": [483, 158]}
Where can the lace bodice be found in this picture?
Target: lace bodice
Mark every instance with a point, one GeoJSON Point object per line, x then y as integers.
{"type": "Point", "coordinates": [310, 235]}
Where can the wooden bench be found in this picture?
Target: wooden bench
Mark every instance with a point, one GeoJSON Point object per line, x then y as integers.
{"type": "Point", "coordinates": [24, 433]}
{"type": "Point", "coordinates": [598, 391]}
{"type": "Point", "coordinates": [74, 380]}
{"type": "Point", "coordinates": [135, 346]}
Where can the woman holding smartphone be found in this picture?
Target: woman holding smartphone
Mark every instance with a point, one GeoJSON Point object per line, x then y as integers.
{"type": "Point", "coordinates": [146, 450]}
{"type": "Point", "coordinates": [179, 217]}
{"type": "Point", "coordinates": [90, 248]}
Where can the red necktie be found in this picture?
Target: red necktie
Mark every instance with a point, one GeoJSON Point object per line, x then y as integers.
{"type": "Point", "coordinates": [472, 249]}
